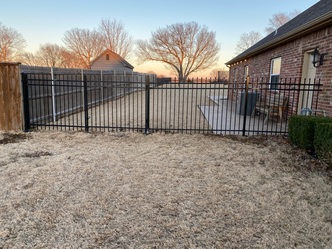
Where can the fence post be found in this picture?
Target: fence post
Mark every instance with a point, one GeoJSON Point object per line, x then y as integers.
{"type": "Point", "coordinates": [53, 96]}
{"type": "Point", "coordinates": [25, 93]}
{"type": "Point", "coordinates": [245, 107]}
{"type": "Point", "coordinates": [10, 97]}
{"type": "Point", "coordinates": [86, 104]}
{"type": "Point", "coordinates": [318, 89]}
{"type": "Point", "coordinates": [147, 104]}
{"type": "Point", "coordinates": [102, 86]}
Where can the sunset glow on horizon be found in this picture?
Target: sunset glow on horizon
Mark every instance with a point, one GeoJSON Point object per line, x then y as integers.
{"type": "Point", "coordinates": [42, 22]}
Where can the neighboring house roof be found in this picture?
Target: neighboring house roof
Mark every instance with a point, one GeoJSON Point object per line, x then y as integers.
{"type": "Point", "coordinates": [116, 56]}
{"type": "Point", "coordinates": [314, 18]}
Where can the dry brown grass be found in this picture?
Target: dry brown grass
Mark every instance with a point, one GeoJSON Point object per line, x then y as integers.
{"type": "Point", "coordinates": [128, 190]}
{"type": "Point", "coordinates": [169, 109]}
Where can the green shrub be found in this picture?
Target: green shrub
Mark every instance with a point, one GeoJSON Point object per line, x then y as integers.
{"type": "Point", "coordinates": [323, 142]}
{"type": "Point", "coordinates": [301, 130]}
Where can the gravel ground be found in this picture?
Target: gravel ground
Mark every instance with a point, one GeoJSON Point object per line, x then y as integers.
{"type": "Point", "coordinates": [129, 190]}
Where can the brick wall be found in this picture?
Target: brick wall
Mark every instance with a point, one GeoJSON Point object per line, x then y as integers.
{"type": "Point", "coordinates": [292, 54]}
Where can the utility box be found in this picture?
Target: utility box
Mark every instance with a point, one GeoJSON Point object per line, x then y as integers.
{"type": "Point", "coordinates": [251, 102]}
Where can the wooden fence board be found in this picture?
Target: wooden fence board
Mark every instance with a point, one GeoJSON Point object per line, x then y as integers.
{"type": "Point", "coordinates": [10, 97]}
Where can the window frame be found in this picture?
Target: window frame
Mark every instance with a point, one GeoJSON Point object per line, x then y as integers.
{"type": "Point", "coordinates": [275, 73]}
{"type": "Point", "coordinates": [235, 79]}
{"type": "Point", "coordinates": [246, 75]}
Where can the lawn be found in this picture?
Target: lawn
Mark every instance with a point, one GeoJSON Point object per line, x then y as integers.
{"type": "Point", "coordinates": [129, 190]}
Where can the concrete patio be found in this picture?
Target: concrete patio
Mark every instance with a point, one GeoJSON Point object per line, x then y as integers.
{"type": "Point", "coordinates": [225, 118]}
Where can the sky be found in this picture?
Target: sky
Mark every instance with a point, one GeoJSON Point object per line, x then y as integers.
{"type": "Point", "coordinates": [46, 21]}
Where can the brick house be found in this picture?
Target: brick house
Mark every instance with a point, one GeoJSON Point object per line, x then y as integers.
{"type": "Point", "coordinates": [288, 53]}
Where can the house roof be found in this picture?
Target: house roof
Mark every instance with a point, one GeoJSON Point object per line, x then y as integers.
{"type": "Point", "coordinates": [116, 56]}
{"type": "Point", "coordinates": [314, 18]}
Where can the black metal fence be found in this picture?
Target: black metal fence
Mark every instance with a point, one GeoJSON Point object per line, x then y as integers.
{"type": "Point", "coordinates": [92, 103]}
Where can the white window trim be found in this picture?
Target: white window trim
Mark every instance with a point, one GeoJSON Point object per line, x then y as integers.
{"type": "Point", "coordinates": [271, 70]}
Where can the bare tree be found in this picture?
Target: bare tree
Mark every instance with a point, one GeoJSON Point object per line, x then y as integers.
{"type": "Point", "coordinates": [116, 38]}
{"type": "Point", "coordinates": [30, 59]}
{"type": "Point", "coordinates": [70, 60]}
{"type": "Point", "coordinates": [280, 19]}
{"type": "Point", "coordinates": [12, 44]}
{"type": "Point", "coordinates": [183, 47]}
{"type": "Point", "coordinates": [219, 73]}
{"type": "Point", "coordinates": [51, 55]}
{"type": "Point", "coordinates": [84, 44]}
{"type": "Point", "coordinates": [247, 40]}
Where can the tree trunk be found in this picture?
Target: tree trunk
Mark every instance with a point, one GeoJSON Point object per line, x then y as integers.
{"type": "Point", "coordinates": [182, 78]}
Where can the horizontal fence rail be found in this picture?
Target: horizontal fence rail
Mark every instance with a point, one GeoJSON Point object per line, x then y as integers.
{"type": "Point", "coordinates": [97, 102]}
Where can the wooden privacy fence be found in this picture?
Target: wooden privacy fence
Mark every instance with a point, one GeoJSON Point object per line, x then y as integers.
{"type": "Point", "coordinates": [11, 114]}
{"type": "Point", "coordinates": [53, 96]}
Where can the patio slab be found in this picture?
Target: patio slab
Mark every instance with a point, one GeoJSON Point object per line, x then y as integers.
{"type": "Point", "coordinates": [224, 118]}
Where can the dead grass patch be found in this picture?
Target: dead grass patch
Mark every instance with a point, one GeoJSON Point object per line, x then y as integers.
{"type": "Point", "coordinates": [128, 190]}
{"type": "Point", "coordinates": [8, 137]}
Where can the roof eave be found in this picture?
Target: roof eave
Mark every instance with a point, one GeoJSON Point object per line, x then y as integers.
{"type": "Point", "coordinates": [321, 22]}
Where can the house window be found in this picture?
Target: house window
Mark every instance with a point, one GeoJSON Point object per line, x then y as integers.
{"type": "Point", "coordinates": [107, 57]}
{"type": "Point", "coordinates": [275, 72]}
{"type": "Point", "coordinates": [246, 74]}
{"type": "Point", "coordinates": [235, 80]}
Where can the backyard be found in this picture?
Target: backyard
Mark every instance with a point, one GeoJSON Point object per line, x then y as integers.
{"type": "Point", "coordinates": [129, 190]}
